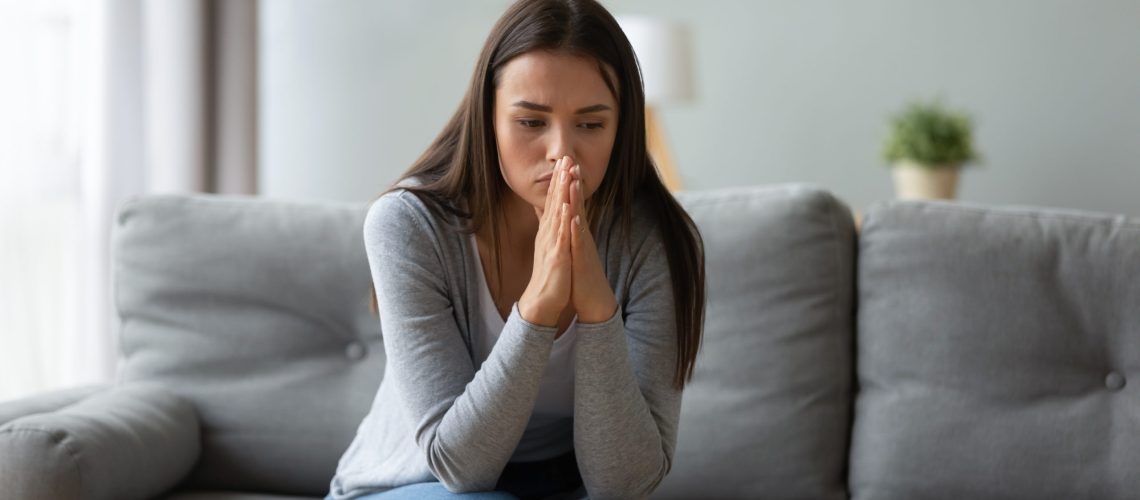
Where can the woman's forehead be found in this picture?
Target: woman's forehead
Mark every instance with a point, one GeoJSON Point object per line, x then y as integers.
{"type": "Point", "coordinates": [554, 79]}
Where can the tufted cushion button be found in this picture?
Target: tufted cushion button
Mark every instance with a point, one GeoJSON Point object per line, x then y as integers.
{"type": "Point", "coordinates": [355, 350]}
{"type": "Point", "coordinates": [1114, 381]}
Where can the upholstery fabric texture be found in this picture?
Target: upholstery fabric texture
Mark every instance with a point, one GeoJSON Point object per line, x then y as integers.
{"type": "Point", "coordinates": [128, 443]}
{"type": "Point", "coordinates": [256, 311]}
{"type": "Point", "coordinates": [767, 412]}
{"type": "Point", "coordinates": [46, 401]}
{"type": "Point", "coordinates": [995, 346]}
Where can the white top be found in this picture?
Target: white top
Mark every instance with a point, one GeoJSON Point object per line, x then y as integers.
{"type": "Point", "coordinates": [549, 433]}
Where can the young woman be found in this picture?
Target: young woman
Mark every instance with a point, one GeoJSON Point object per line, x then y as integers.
{"type": "Point", "coordinates": [540, 292]}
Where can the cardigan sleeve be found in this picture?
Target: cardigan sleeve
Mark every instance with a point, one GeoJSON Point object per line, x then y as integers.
{"type": "Point", "coordinates": [625, 406]}
{"type": "Point", "coordinates": [467, 422]}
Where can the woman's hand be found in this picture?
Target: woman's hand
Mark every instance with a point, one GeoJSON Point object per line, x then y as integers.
{"type": "Point", "coordinates": [593, 299]}
{"type": "Point", "coordinates": [548, 291]}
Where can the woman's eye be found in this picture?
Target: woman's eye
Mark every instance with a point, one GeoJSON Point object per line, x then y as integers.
{"type": "Point", "coordinates": [531, 123]}
{"type": "Point", "coordinates": [591, 126]}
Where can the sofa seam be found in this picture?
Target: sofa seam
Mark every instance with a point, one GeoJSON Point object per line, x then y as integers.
{"type": "Point", "coordinates": [837, 311]}
{"type": "Point", "coordinates": [843, 346]}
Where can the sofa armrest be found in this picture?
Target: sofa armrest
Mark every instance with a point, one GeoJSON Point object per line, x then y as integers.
{"type": "Point", "coordinates": [132, 441]}
{"type": "Point", "coordinates": [46, 401]}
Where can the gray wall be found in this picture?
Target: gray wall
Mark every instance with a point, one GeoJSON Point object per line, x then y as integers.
{"type": "Point", "coordinates": [352, 92]}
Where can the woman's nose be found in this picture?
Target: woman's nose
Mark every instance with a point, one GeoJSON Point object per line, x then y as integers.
{"type": "Point", "coordinates": [561, 144]}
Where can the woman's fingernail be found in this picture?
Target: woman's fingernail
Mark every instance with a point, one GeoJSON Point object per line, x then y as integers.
{"type": "Point", "coordinates": [565, 207]}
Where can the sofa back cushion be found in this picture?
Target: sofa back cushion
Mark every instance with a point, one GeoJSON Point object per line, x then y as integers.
{"type": "Point", "coordinates": [767, 413]}
{"type": "Point", "coordinates": [995, 352]}
{"type": "Point", "coordinates": [257, 312]}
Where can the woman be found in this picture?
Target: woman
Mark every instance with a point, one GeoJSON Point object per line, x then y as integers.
{"type": "Point", "coordinates": [540, 292]}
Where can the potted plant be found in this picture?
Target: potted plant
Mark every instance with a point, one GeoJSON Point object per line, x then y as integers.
{"type": "Point", "coordinates": [926, 147]}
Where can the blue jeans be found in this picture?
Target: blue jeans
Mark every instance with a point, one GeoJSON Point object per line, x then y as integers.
{"type": "Point", "coordinates": [519, 480]}
{"type": "Point", "coordinates": [433, 491]}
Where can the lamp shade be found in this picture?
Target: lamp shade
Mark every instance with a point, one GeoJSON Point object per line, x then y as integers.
{"type": "Point", "coordinates": [664, 54]}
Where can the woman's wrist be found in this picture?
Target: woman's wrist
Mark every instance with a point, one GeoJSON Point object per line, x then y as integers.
{"type": "Point", "coordinates": [535, 315]}
{"type": "Point", "coordinates": [598, 315]}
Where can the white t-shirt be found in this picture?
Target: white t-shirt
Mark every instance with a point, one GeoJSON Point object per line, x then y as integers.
{"type": "Point", "coordinates": [550, 431]}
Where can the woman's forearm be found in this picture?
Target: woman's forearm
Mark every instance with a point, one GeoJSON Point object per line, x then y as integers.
{"type": "Point", "coordinates": [623, 450]}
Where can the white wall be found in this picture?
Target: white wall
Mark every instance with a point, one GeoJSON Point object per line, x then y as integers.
{"type": "Point", "coordinates": [787, 91]}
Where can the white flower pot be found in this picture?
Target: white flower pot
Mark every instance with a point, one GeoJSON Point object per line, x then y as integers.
{"type": "Point", "coordinates": [916, 182]}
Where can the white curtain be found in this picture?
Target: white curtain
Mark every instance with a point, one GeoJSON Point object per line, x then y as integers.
{"type": "Point", "coordinates": [47, 77]}
{"type": "Point", "coordinates": [168, 104]}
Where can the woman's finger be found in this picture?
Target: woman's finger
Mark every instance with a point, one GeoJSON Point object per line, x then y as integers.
{"type": "Point", "coordinates": [564, 181]}
{"type": "Point", "coordinates": [581, 238]}
{"type": "Point", "coordinates": [553, 186]}
{"type": "Point", "coordinates": [575, 238]}
{"type": "Point", "coordinates": [549, 201]}
{"type": "Point", "coordinates": [563, 228]}
{"type": "Point", "coordinates": [579, 204]}
{"type": "Point", "coordinates": [573, 196]}
{"type": "Point", "coordinates": [575, 207]}
{"type": "Point", "coordinates": [557, 196]}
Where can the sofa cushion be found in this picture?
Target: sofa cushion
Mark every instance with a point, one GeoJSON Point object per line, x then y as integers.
{"type": "Point", "coordinates": [767, 413]}
{"type": "Point", "coordinates": [256, 311]}
{"type": "Point", "coordinates": [997, 348]}
{"type": "Point", "coordinates": [132, 442]}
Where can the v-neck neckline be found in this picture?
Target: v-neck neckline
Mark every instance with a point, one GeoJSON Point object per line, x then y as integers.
{"type": "Point", "coordinates": [488, 300]}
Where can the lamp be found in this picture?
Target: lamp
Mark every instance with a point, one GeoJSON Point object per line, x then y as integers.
{"type": "Point", "coordinates": [663, 53]}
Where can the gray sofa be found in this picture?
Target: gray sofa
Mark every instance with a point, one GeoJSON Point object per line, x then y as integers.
{"type": "Point", "coordinates": [948, 350]}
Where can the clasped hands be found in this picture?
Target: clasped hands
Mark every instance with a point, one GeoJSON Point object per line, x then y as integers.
{"type": "Point", "coordinates": [567, 268]}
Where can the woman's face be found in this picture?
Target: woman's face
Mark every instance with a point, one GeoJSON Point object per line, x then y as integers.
{"type": "Point", "coordinates": [549, 105]}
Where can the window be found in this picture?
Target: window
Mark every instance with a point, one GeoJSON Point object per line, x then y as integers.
{"type": "Point", "coordinates": [44, 76]}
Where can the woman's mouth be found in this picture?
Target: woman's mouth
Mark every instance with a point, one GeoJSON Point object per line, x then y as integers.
{"type": "Point", "coordinates": [545, 178]}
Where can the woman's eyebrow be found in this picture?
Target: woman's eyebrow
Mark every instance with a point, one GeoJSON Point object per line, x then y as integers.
{"type": "Point", "coordinates": [547, 109]}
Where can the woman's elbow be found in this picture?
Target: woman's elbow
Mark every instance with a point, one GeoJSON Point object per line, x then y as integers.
{"type": "Point", "coordinates": [465, 483]}
{"type": "Point", "coordinates": [460, 485]}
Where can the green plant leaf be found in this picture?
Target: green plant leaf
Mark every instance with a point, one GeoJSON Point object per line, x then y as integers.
{"type": "Point", "coordinates": [930, 135]}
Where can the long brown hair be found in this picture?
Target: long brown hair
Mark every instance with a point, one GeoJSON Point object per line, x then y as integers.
{"type": "Point", "coordinates": [462, 162]}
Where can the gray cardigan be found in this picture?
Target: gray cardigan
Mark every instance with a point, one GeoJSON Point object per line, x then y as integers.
{"type": "Point", "coordinates": [440, 414]}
